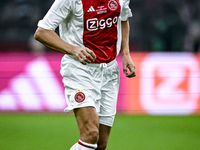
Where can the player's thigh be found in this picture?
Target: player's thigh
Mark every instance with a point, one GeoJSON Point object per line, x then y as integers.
{"type": "Point", "coordinates": [109, 92]}
{"type": "Point", "coordinates": [108, 103]}
{"type": "Point", "coordinates": [87, 119]}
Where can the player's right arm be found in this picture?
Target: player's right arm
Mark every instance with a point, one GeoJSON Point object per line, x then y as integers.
{"type": "Point", "coordinates": [50, 39]}
{"type": "Point", "coordinates": [46, 34]}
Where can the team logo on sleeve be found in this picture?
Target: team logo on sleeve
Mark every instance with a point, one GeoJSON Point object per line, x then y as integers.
{"type": "Point", "coordinates": [112, 5]}
{"type": "Point", "coordinates": [79, 97]}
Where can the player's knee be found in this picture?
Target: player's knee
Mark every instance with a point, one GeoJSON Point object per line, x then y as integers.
{"type": "Point", "coordinates": [93, 135]}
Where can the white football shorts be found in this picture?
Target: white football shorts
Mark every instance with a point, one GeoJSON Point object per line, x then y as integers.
{"type": "Point", "coordinates": [94, 85]}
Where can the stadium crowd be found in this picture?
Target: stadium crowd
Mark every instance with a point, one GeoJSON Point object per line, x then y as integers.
{"type": "Point", "coordinates": [156, 25]}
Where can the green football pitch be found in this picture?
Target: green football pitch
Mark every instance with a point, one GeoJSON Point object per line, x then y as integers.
{"type": "Point", "coordinates": [130, 132]}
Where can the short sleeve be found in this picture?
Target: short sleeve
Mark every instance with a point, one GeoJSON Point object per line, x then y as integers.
{"type": "Point", "coordinates": [126, 11]}
{"type": "Point", "coordinates": [56, 14]}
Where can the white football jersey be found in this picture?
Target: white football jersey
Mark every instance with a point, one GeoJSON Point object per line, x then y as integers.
{"type": "Point", "coordinates": [95, 24]}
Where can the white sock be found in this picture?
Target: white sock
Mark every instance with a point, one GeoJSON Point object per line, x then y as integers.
{"type": "Point", "coordinates": [74, 146]}
{"type": "Point", "coordinates": [83, 146]}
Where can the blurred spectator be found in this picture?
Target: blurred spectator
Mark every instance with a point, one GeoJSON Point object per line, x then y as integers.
{"type": "Point", "coordinates": [192, 38]}
{"type": "Point", "coordinates": [18, 19]}
{"type": "Point", "coordinates": [190, 15]}
{"type": "Point", "coordinates": [164, 25]}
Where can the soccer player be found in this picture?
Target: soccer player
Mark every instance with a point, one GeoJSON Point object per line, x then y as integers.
{"type": "Point", "coordinates": [92, 33]}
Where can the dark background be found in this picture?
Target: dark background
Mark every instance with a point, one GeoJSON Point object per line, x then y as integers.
{"type": "Point", "coordinates": [156, 25]}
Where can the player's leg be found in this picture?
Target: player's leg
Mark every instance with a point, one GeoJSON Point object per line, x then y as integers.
{"type": "Point", "coordinates": [104, 132]}
{"type": "Point", "coordinates": [88, 124]}
{"type": "Point", "coordinates": [109, 94]}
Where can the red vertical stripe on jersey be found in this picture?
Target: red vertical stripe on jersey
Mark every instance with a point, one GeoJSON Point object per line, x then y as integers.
{"type": "Point", "coordinates": [100, 28]}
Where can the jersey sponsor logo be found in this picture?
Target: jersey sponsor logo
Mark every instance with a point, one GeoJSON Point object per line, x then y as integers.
{"type": "Point", "coordinates": [91, 9]}
{"type": "Point", "coordinates": [79, 97]}
{"type": "Point", "coordinates": [112, 5]}
{"type": "Point", "coordinates": [95, 24]}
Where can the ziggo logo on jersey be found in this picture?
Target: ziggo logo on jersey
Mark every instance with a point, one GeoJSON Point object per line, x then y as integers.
{"type": "Point", "coordinates": [94, 23]}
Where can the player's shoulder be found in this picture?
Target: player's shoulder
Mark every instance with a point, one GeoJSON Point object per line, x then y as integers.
{"type": "Point", "coordinates": [122, 2]}
{"type": "Point", "coordinates": [65, 3]}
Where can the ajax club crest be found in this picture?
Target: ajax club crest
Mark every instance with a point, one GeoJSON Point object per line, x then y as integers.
{"type": "Point", "coordinates": [79, 97]}
{"type": "Point", "coordinates": [112, 5]}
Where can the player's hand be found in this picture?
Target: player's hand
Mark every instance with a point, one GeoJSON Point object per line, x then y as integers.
{"type": "Point", "coordinates": [128, 66]}
{"type": "Point", "coordinates": [84, 55]}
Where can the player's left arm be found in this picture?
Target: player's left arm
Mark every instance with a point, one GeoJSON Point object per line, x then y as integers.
{"type": "Point", "coordinates": [128, 65]}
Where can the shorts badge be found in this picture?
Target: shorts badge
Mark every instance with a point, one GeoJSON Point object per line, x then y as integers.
{"type": "Point", "coordinates": [79, 97]}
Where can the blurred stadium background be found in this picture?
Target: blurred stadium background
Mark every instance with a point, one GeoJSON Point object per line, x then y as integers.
{"type": "Point", "coordinates": [159, 109]}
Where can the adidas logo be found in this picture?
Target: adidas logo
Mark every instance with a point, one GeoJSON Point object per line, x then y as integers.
{"type": "Point", "coordinates": [36, 88]}
{"type": "Point", "coordinates": [91, 9]}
